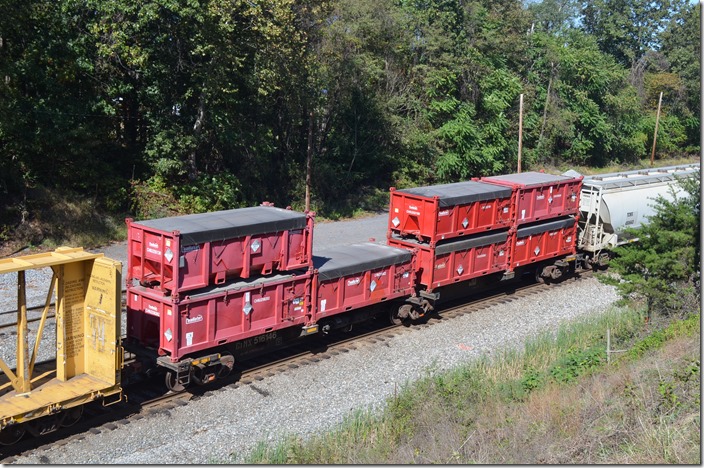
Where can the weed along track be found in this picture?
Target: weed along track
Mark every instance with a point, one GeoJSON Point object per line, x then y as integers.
{"type": "Point", "coordinates": [148, 397]}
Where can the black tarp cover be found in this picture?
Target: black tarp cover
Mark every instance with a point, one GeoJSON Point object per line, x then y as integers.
{"type": "Point", "coordinates": [344, 260]}
{"type": "Point", "coordinates": [460, 192]}
{"type": "Point", "coordinates": [474, 241]}
{"type": "Point", "coordinates": [537, 228]}
{"type": "Point", "coordinates": [228, 224]}
{"type": "Point", "coordinates": [531, 179]}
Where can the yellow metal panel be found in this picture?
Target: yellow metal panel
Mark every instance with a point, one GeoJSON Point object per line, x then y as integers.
{"type": "Point", "coordinates": [59, 256]}
{"type": "Point", "coordinates": [54, 395]}
{"type": "Point", "coordinates": [69, 319]}
{"type": "Point", "coordinates": [102, 320]}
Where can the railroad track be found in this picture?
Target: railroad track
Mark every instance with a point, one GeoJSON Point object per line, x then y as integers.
{"type": "Point", "coordinates": [151, 398]}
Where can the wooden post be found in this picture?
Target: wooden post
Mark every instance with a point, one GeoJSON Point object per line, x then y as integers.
{"type": "Point", "coordinates": [520, 132]}
{"type": "Point", "coordinates": [655, 135]}
{"type": "Point", "coordinates": [23, 377]}
{"type": "Point", "coordinates": [608, 346]}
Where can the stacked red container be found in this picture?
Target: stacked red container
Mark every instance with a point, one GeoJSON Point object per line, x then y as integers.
{"type": "Point", "coordinates": [438, 212]}
{"type": "Point", "coordinates": [200, 281]}
{"type": "Point", "coordinates": [540, 196]}
{"type": "Point", "coordinates": [459, 231]}
{"type": "Point", "coordinates": [216, 316]}
{"type": "Point", "coordinates": [491, 225]}
{"type": "Point", "coordinates": [547, 208]}
{"type": "Point", "coordinates": [543, 241]}
{"type": "Point", "coordinates": [460, 259]}
{"type": "Point", "coordinates": [190, 252]}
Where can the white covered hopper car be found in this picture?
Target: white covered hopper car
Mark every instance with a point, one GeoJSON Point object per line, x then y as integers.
{"type": "Point", "coordinates": [611, 203]}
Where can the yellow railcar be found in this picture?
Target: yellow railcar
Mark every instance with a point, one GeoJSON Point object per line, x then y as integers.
{"type": "Point", "coordinates": [89, 355]}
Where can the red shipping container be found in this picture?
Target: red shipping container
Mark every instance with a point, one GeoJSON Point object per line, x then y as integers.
{"type": "Point", "coordinates": [437, 212]}
{"type": "Point", "coordinates": [543, 241]}
{"type": "Point", "coordinates": [185, 253]}
{"type": "Point", "coordinates": [460, 259]}
{"type": "Point", "coordinates": [358, 275]}
{"type": "Point", "coordinates": [541, 196]}
{"type": "Point", "coordinates": [218, 316]}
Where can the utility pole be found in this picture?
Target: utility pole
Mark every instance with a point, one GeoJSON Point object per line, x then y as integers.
{"type": "Point", "coordinates": [520, 133]}
{"type": "Point", "coordinates": [655, 136]}
{"type": "Point", "coordinates": [309, 160]}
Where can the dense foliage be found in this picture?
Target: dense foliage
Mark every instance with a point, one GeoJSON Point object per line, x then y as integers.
{"type": "Point", "coordinates": [664, 267]}
{"type": "Point", "coordinates": [173, 106]}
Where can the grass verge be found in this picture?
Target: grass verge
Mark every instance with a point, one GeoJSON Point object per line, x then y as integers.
{"type": "Point", "coordinates": [556, 401]}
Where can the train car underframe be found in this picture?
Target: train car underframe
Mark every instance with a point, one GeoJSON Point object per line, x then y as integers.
{"type": "Point", "coordinates": [218, 363]}
{"type": "Point", "coordinates": [554, 270]}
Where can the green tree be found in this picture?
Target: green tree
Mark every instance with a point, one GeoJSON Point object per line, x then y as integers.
{"type": "Point", "coordinates": [683, 52]}
{"type": "Point", "coordinates": [175, 106]}
{"type": "Point", "coordinates": [663, 266]}
{"type": "Point", "coordinates": [52, 131]}
{"type": "Point", "coordinates": [627, 29]}
{"type": "Point", "coordinates": [590, 113]}
{"type": "Point", "coordinates": [351, 52]}
{"type": "Point", "coordinates": [203, 82]}
{"type": "Point", "coordinates": [465, 72]}
{"type": "Point", "coordinates": [554, 16]}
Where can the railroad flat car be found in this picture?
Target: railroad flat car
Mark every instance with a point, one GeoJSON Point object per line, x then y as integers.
{"type": "Point", "coordinates": [541, 196]}
{"type": "Point", "coordinates": [460, 259]}
{"type": "Point", "coordinates": [184, 253]}
{"type": "Point", "coordinates": [352, 276]}
{"type": "Point", "coordinates": [437, 212]}
{"type": "Point", "coordinates": [204, 290]}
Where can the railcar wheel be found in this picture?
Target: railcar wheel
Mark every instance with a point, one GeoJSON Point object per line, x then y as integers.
{"type": "Point", "coordinates": [11, 435]}
{"type": "Point", "coordinates": [394, 318]}
{"type": "Point", "coordinates": [201, 376]}
{"type": "Point", "coordinates": [172, 382]}
{"type": "Point", "coordinates": [227, 362]}
{"type": "Point", "coordinates": [72, 416]}
{"type": "Point", "coordinates": [539, 278]}
{"type": "Point", "coordinates": [399, 314]}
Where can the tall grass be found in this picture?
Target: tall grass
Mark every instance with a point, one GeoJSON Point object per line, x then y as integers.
{"type": "Point", "coordinates": [533, 405]}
